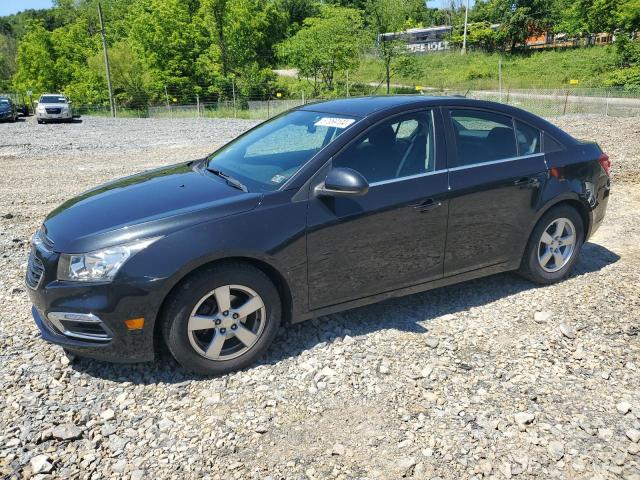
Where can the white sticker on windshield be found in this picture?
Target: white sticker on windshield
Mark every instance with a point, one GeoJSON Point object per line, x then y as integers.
{"type": "Point", "coordinates": [278, 178]}
{"type": "Point", "coordinates": [333, 122]}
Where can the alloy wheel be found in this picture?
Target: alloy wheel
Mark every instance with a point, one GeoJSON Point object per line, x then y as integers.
{"type": "Point", "coordinates": [226, 322]}
{"type": "Point", "coordinates": [557, 244]}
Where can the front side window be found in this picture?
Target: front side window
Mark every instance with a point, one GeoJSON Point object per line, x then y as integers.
{"type": "Point", "coordinates": [482, 136]}
{"type": "Point", "coordinates": [266, 157]}
{"type": "Point", "coordinates": [401, 147]}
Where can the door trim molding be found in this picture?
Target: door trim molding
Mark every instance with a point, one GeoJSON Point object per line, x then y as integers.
{"type": "Point", "coordinates": [495, 162]}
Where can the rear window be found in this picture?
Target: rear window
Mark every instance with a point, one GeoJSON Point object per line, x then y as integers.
{"type": "Point", "coordinates": [482, 136]}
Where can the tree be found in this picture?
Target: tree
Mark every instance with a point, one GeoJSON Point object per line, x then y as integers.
{"type": "Point", "coordinates": [480, 36]}
{"type": "Point", "coordinates": [326, 44]}
{"type": "Point", "coordinates": [238, 38]}
{"type": "Point", "coordinates": [518, 19]}
{"type": "Point", "coordinates": [388, 16]}
{"type": "Point", "coordinates": [7, 59]}
{"type": "Point", "coordinates": [163, 35]}
{"type": "Point", "coordinates": [629, 15]}
{"type": "Point", "coordinates": [36, 61]}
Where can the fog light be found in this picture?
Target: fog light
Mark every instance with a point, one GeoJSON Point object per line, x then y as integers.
{"type": "Point", "coordinates": [135, 323]}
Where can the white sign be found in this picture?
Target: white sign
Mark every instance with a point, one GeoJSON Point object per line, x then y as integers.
{"type": "Point", "coordinates": [333, 122]}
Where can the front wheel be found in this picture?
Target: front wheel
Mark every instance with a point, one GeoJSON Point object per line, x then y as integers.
{"type": "Point", "coordinates": [554, 246]}
{"type": "Point", "coordinates": [221, 319]}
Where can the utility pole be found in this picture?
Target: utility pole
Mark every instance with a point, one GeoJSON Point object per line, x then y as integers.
{"type": "Point", "coordinates": [106, 62]}
{"type": "Point", "coordinates": [347, 82]}
{"type": "Point", "coordinates": [464, 37]}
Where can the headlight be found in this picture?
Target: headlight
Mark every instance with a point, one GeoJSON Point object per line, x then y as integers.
{"type": "Point", "coordinates": [100, 265]}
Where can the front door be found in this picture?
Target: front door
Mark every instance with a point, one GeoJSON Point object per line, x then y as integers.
{"type": "Point", "coordinates": [496, 173]}
{"type": "Point", "coordinates": [392, 237]}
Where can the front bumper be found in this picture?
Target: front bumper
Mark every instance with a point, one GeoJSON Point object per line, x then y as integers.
{"type": "Point", "coordinates": [111, 304]}
{"type": "Point", "coordinates": [54, 116]}
{"type": "Point", "coordinates": [6, 115]}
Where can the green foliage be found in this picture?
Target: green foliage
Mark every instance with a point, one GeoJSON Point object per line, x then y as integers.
{"type": "Point", "coordinates": [628, 58]}
{"type": "Point", "coordinates": [7, 60]}
{"type": "Point", "coordinates": [36, 61]}
{"type": "Point", "coordinates": [386, 16]}
{"type": "Point", "coordinates": [180, 48]}
{"type": "Point", "coordinates": [477, 70]}
{"type": "Point", "coordinates": [326, 44]}
{"type": "Point", "coordinates": [480, 36]}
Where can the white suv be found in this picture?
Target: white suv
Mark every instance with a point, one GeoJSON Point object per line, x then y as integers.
{"type": "Point", "coordinates": [53, 107]}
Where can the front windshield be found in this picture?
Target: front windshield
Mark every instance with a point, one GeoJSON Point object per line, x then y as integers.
{"type": "Point", "coordinates": [52, 99]}
{"type": "Point", "coordinates": [267, 156]}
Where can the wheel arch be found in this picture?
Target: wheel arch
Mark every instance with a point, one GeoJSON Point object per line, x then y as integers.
{"type": "Point", "coordinates": [575, 203]}
{"type": "Point", "coordinates": [278, 279]}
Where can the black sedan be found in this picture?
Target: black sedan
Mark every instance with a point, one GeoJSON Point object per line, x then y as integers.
{"type": "Point", "coordinates": [8, 111]}
{"type": "Point", "coordinates": [326, 207]}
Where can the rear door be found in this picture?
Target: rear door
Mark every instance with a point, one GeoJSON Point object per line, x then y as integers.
{"type": "Point", "coordinates": [496, 170]}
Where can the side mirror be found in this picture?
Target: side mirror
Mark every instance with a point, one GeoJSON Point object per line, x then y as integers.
{"type": "Point", "coordinates": [343, 182]}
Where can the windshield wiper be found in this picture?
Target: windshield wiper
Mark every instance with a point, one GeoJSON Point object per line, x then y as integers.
{"type": "Point", "coordinates": [229, 179]}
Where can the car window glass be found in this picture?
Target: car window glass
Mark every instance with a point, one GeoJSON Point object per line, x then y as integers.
{"type": "Point", "coordinates": [281, 140]}
{"type": "Point", "coordinates": [406, 129]}
{"type": "Point", "coordinates": [528, 138]}
{"type": "Point", "coordinates": [264, 158]}
{"type": "Point", "coordinates": [482, 136]}
{"type": "Point", "coordinates": [398, 148]}
{"type": "Point", "coordinates": [551, 144]}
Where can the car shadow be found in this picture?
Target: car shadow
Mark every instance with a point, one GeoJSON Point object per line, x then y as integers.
{"type": "Point", "coordinates": [409, 314]}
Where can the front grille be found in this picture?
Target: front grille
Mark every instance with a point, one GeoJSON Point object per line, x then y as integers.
{"type": "Point", "coordinates": [35, 270]}
{"type": "Point", "coordinates": [54, 110]}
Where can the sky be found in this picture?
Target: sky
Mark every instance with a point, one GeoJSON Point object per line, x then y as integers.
{"type": "Point", "coordinates": [7, 7]}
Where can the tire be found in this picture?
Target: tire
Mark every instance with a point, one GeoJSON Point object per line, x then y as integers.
{"type": "Point", "coordinates": [199, 293]}
{"type": "Point", "coordinates": [555, 269]}
{"type": "Point", "coordinates": [40, 122]}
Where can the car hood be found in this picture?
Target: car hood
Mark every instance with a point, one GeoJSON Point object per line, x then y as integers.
{"type": "Point", "coordinates": [145, 205]}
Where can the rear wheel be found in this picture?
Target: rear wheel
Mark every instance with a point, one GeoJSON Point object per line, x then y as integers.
{"type": "Point", "coordinates": [221, 319]}
{"type": "Point", "coordinates": [554, 246]}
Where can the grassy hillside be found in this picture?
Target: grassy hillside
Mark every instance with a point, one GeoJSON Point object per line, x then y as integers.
{"type": "Point", "coordinates": [543, 69]}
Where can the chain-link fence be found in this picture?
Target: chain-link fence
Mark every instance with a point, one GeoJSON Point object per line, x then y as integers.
{"type": "Point", "coordinates": [555, 102]}
{"type": "Point", "coordinates": [544, 102]}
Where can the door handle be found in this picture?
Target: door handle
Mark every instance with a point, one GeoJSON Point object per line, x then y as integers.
{"type": "Point", "coordinates": [428, 204]}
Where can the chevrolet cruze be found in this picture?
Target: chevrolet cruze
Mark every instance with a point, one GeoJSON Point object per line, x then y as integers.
{"type": "Point", "coordinates": [326, 207]}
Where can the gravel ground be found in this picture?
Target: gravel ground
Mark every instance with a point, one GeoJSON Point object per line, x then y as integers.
{"type": "Point", "coordinates": [492, 378]}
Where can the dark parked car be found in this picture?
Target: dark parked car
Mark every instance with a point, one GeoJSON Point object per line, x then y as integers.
{"type": "Point", "coordinates": [8, 110]}
{"type": "Point", "coordinates": [327, 207]}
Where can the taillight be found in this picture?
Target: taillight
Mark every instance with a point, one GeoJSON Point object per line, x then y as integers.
{"type": "Point", "coordinates": [605, 162]}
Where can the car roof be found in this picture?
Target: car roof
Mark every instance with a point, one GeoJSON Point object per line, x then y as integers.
{"type": "Point", "coordinates": [377, 105]}
{"type": "Point", "coordinates": [363, 106]}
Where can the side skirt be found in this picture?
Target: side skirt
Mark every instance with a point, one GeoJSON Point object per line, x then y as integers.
{"type": "Point", "coordinates": [422, 287]}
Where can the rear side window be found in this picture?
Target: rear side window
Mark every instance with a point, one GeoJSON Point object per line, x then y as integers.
{"type": "Point", "coordinates": [482, 136]}
{"type": "Point", "coordinates": [551, 144]}
{"type": "Point", "coordinates": [528, 138]}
